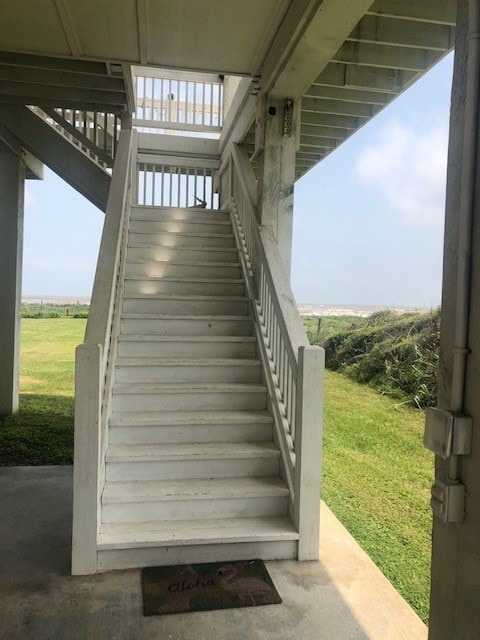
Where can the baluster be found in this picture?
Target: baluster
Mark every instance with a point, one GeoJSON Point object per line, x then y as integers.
{"type": "Point", "coordinates": [170, 193]}
{"type": "Point", "coordinates": [153, 185]}
{"type": "Point", "coordinates": [162, 187]}
{"type": "Point", "coordinates": [179, 175]}
{"type": "Point", "coordinates": [162, 111]}
{"type": "Point", "coordinates": [145, 183]}
{"type": "Point", "coordinates": [187, 188]}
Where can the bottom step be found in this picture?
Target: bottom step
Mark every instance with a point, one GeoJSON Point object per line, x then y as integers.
{"type": "Point", "coordinates": [135, 545]}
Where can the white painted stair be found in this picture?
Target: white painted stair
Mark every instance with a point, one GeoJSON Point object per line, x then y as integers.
{"type": "Point", "coordinates": [192, 472]}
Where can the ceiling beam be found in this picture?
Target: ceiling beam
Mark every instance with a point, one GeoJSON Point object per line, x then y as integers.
{"type": "Point", "coordinates": [142, 19]}
{"type": "Point", "coordinates": [63, 104]}
{"type": "Point", "coordinates": [338, 107]}
{"type": "Point", "coordinates": [60, 78]}
{"type": "Point", "coordinates": [406, 33]}
{"type": "Point", "coordinates": [45, 62]}
{"type": "Point", "coordinates": [444, 12]}
{"type": "Point", "coordinates": [324, 132]}
{"type": "Point", "coordinates": [386, 57]}
{"type": "Point", "coordinates": [367, 78]}
{"type": "Point", "coordinates": [66, 94]}
{"type": "Point", "coordinates": [321, 144]}
{"type": "Point", "coordinates": [329, 120]}
{"type": "Point", "coordinates": [348, 95]}
{"type": "Point", "coordinates": [309, 35]}
{"type": "Point", "coordinates": [68, 25]}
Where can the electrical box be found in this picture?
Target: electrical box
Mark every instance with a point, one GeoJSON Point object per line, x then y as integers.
{"type": "Point", "coordinates": [447, 434]}
{"type": "Point", "coordinates": [448, 501]}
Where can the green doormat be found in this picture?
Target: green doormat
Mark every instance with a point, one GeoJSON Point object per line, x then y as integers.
{"type": "Point", "coordinates": [203, 587]}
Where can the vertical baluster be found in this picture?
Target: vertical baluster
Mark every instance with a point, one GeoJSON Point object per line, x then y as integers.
{"type": "Point", "coordinates": [144, 100]}
{"type": "Point", "coordinates": [204, 185]}
{"type": "Point", "coordinates": [195, 184]}
{"type": "Point", "coordinates": [162, 111]}
{"type": "Point", "coordinates": [187, 187]}
{"type": "Point", "coordinates": [179, 175]}
{"type": "Point", "coordinates": [162, 187]}
{"type": "Point", "coordinates": [211, 105]}
{"type": "Point", "coordinates": [105, 145]}
{"type": "Point", "coordinates": [195, 87]}
{"type": "Point", "coordinates": [203, 103]}
{"type": "Point", "coordinates": [220, 105]}
{"type": "Point", "coordinates": [171, 187]}
{"type": "Point", "coordinates": [95, 125]}
{"type": "Point", "coordinates": [145, 171]}
{"type": "Point", "coordinates": [153, 185]}
{"type": "Point", "coordinates": [169, 113]}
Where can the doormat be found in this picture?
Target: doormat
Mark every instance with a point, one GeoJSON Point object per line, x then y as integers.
{"type": "Point", "coordinates": [205, 587]}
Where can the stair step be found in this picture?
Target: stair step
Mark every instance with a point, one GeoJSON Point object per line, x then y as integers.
{"type": "Point", "coordinates": [144, 501]}
{"type": "Point", "coordinates": [166, 239]}
{"type": "Point", "coordinates": [183, 269]}
{"type": "Point", "coordinates": [184, 346]}
{"type": "Point", "coordinates": [192, 225]}
{"type": "Point", "coordinates": [181, 324]}
{"type": "Point", "coordinates": [154, 285]}
{"type": "Point", "coordinates": [142, 212]}
{"type": "Point", "coordinates": [188, 396]}
{"type": "Point", "coordinates": [149, 369]}
{"type": "Point", "coordinates": [183, 304]}
{"type": "Point", "coordinates": [129, 535]}
{"type": "Point", "coordinates": [191, 460]}
{"type": "Point", "coordinates": [197, 254]}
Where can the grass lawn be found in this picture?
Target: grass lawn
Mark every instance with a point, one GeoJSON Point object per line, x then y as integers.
{"type": "Point", "coordinates": [377, 478]}
{"type": "Point", "coordinates": [42, 431]}
{"type": "Point", "coordinates": [377, 475]}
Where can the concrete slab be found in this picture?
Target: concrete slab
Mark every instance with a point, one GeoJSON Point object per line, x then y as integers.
{"type": "Point", "coordinates": [343, 597]}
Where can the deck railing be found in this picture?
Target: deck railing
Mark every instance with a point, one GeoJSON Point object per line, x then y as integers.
{"type": "Point", "coordinates": [177, 103]}
{"type": "Point", "coordinates": [294, 369]}
{"type": "Point", "coordinates": [94, 358]}
{"type": "Point", "coordinates": [95, 134]}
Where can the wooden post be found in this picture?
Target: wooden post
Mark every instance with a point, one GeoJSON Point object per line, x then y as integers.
{"type": "Point", "coordinates": [88, 370]}
{"type": "Point", "coordinates": [308, 449]}
{"type": "Point", "coordinates": [277, 173]}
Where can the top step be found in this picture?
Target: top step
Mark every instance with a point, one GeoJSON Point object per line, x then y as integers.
{"type": "Point", "coordinates": [173, 213]}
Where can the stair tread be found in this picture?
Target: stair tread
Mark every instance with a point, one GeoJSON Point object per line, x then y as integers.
{"type": "Point", "coordinates": [183, 263]}
{"type": "Point", "coordinates": [191, 451]}
{"type": "Point", "coordinates": [192, 220]}
{"type": "Point", "coordinates": [163, 316]}
{"type": "Point", "coordinates": [163, 232]}
{"type": "Point", "coordinates": [175, 296]}
{"type": "Point", "coordinates": [140, 245]}
{"type": "Point", "coordinates": [164, 418]}
{"type": "Point", "coordinates": [147, 361]}
{"type": "Point", "coordinates": [185, 279]}
{"type": "Point", "coordinates": [183, 387]}
{"type": "Point", "coordinates": [209, 531]}
{"type": "Point", "coordinates": [133, 337]}
{"type": "Point", "coordinates": [193, 489]}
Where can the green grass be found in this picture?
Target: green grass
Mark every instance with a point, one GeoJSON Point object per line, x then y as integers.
{"type": "Point", "coordinates": [319, 329]}
{"type": "Point", "coordinates": [377, 478]}
{"type": "Point", "coordinates": [377, 475]}
{"type": "Point", "coordinates": [42, 431]}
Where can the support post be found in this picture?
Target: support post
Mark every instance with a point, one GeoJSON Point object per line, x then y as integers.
{"type": "Point", "coordinates": [308, 450]}
{"type": "Point", "coordinates": [86, 492]}
{"type": "Point", "coordinates": [12, 184]}
{"type": "Point", "coordinates": [276, 137]}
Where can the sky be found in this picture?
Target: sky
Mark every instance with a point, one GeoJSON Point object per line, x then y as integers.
{"type": "Point", "coordinates": [368, 220]}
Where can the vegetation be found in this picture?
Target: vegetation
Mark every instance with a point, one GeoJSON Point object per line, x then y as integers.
{"type": "Point", "coordinates": [396, 354]}
{"type": "Point", "coordinates": [42, 431]}
{"type": "Point", "coordinates": [51, 310]}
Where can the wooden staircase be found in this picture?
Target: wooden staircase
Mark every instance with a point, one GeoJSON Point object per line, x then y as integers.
{"type": "Point", "coordinates": [192, 472]}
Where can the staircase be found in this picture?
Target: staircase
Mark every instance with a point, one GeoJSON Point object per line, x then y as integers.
{"type": "Point", "coordinates": [192, 471]}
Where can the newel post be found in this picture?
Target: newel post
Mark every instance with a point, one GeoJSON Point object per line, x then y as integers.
{"type": "Point", "coordinates": [88, 368]}
{"type": "Point", "coordinates": [308, 449]}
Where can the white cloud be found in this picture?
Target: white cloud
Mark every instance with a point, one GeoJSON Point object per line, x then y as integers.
{"type": "Point", "coordinates": [408, 170]}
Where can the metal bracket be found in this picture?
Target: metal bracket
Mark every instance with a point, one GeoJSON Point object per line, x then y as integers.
{"type": "Point", "coordinates": [288, 117]}
{"type": "Point", "coordinates": [447, 434]}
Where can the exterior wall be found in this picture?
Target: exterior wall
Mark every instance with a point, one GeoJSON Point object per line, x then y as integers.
{"type": "Point", "coordinates": [455, 611]}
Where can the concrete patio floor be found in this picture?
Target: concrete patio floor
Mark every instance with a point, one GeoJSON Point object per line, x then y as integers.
{"type": "Point", "coordinates": [342, 597]}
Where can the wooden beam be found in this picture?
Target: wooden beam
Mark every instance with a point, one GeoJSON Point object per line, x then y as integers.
{"type": "Point", "coordinates": [33, 166]}
{"type": "Point", "coordinates": [324, 132]}
{"type": "Point", "coordinates": [329, 120]}
{"type": "Point", "coordinates": [45, 62]}
{"type": "Point", "coordinates": [308, 37]}
{"type": "Point", "coordinates": [440, 12]}
{"type": "Point", "coordinates": [60, 78]}
{"type": "Point", "coordinates": [142, 19]}
{"type": "Point", "coordinates": [386, 57]}
{"type": "Point", "coordinates": [338, 107]}
{"type": "Point", "coordinates": [64, 104]}
{"type": "Point", "coordinates": [346, 94]}
{"type": "Point", "coordinates": [68, 25]}
{"type": "Point", "coordinates": [367, 78]}
{"type": "Point", "coordinates": [53, 94]}
{"type": "Point", "coordinates": [317, 143]}
{"type": "Point", "coordinates": [406, 33]}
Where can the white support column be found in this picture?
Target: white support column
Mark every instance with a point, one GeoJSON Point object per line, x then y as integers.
{"type": "Point", "coordinates": [277, 172]}
{"type": "Point", "coordinates": [12, 183]}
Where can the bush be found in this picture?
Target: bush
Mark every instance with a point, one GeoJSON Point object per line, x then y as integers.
{"type": "Point", "coordinates": [397, 354]}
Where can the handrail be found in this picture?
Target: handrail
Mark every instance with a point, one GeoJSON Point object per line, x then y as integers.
{"type": "Point", "coordinates": [94, 361]}
{"type": "Point", "coordinates": [293, 368]}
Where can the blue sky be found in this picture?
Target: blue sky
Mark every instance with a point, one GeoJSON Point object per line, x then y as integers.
{"type": "Point", "coordinates": [368, 221]}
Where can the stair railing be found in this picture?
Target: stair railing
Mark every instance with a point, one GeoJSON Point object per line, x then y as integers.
{"type": "Point", "coordinates": [95, 134]}
{"type": "Point", "coordinates": [294, 370]}
{"type": "Point", "coordinates": [94, 365]}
